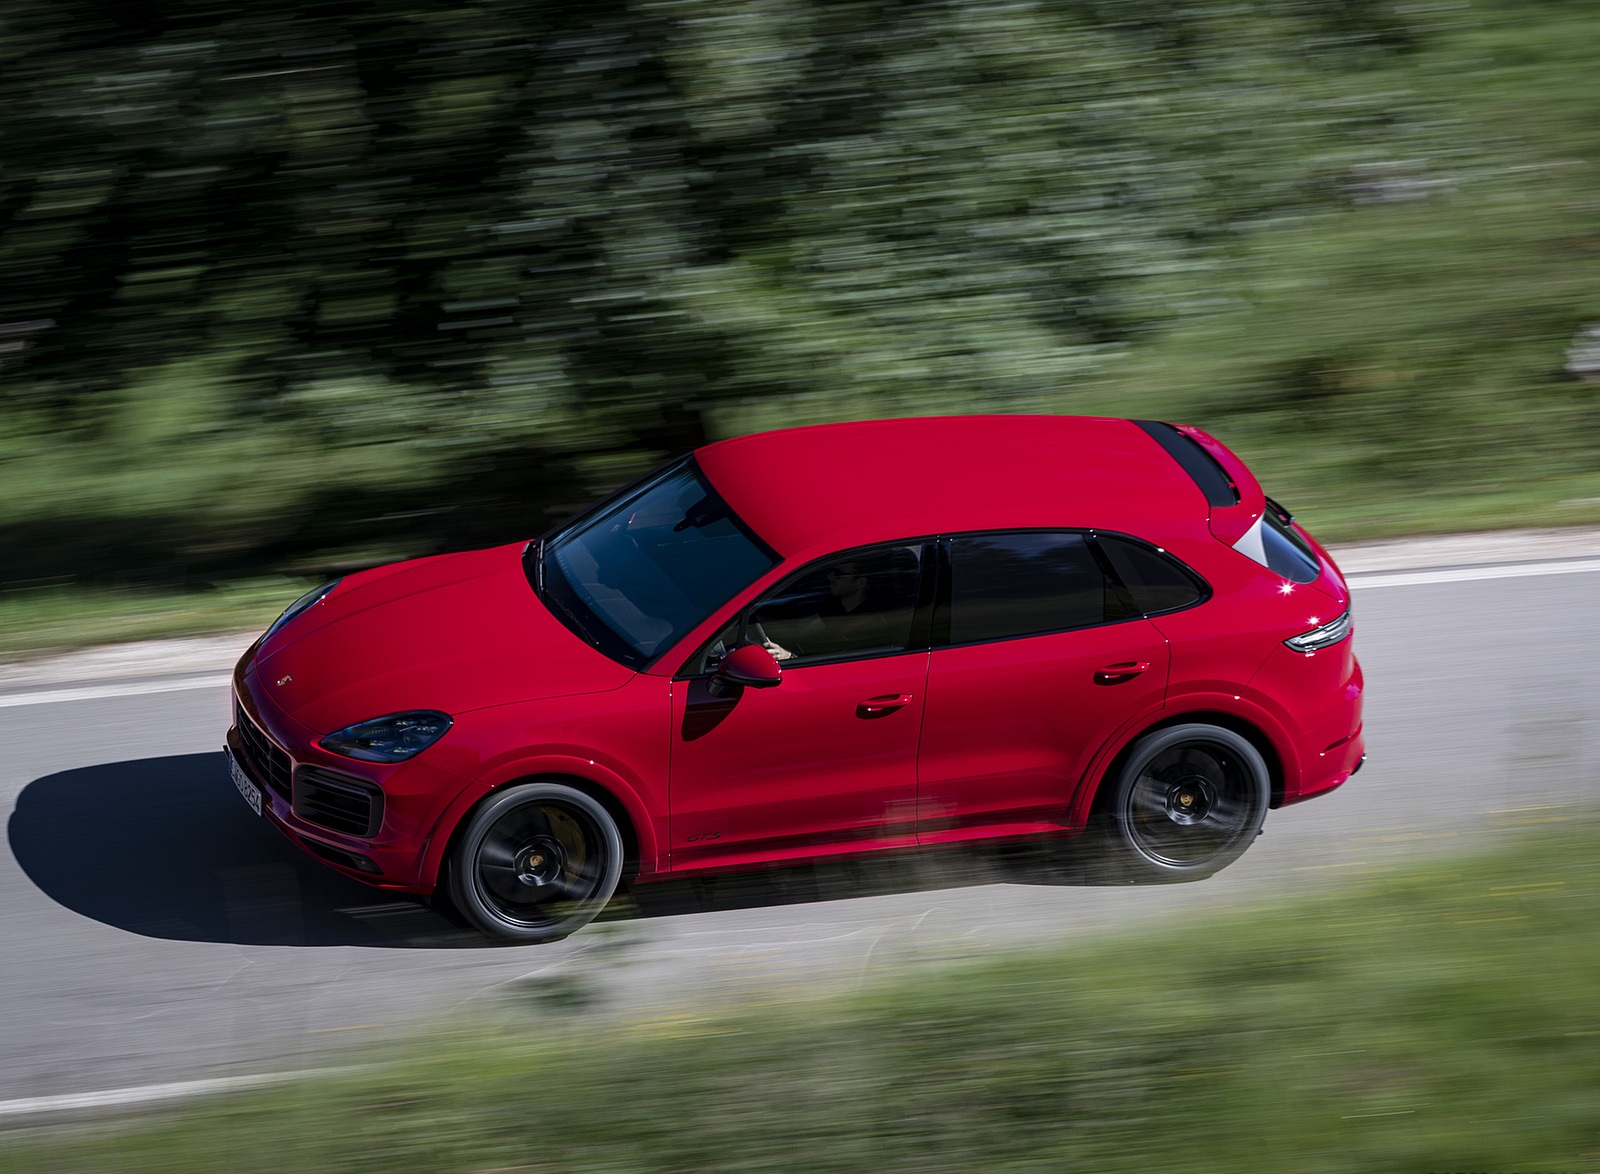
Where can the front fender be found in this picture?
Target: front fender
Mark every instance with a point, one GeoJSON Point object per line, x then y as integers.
{"type": "Point", "coordinates": [536, 764]}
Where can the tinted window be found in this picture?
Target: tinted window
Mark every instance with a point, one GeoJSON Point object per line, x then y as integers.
{"type": "Point", "coordinates": [1155, 582]}
{"type": "Point", "coordinates": [636, 576]}
{"type": "Point", "coordinates": [1287, 553]}
{"type": "Point", "coordinates": [1005, 585]}
{"type": "Point", "coordinates": [862, 603]}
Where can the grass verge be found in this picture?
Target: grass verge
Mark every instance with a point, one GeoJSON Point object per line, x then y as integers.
{"type": "Point", "coordinates": [1437, 1019]}
{"type": "Point", "coordinates": [61, 618]}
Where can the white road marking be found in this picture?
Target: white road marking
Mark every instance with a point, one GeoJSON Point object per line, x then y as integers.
{"type": "Point", "coordinates": [116, 1098]}
{"type": "Point", "coordinates": [132, 689]}
{"type": "Point", "coordinates": [1471, 574]}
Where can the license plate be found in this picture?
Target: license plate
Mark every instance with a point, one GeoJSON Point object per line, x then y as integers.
{"type": "Point", "coordinates": [251, 792]}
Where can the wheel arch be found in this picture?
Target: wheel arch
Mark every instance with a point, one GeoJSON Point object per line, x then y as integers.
{"type": "Point", "coordinates": [1099, 792]}
{"type": "Point", "coordinates": [638, 841]}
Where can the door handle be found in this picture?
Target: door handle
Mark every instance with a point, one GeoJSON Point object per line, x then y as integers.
{"type": "Point", "coordinates": [878, 706]}
{"type": "Point", "coordinates": [1115, 674]}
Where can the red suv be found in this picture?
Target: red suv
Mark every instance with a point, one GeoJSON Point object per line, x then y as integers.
{"type": "Point", "coordinates": [834, 639]}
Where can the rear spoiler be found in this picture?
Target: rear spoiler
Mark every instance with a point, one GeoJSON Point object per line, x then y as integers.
{"type": "Point", "coordinates": [1235, 496]}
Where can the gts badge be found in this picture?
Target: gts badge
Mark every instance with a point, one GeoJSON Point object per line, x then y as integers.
{"type": "Point", "coordinates": [702, 837]}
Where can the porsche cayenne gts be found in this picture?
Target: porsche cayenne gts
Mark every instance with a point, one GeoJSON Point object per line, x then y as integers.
{"type": "Point", "coordinates": [843, 638]}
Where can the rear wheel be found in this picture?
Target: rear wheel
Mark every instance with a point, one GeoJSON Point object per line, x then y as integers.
{"type": "Point", "coordinates": [535, 862]}
{"type": "Point", "coordinates": [1189, 800]}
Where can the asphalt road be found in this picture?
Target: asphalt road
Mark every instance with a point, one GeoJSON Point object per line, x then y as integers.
{"type": "Point", "coordinates": [156, 932]}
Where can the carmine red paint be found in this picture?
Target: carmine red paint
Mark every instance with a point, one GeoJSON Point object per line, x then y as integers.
{"type": "Point", "coordinates": [929, 743]}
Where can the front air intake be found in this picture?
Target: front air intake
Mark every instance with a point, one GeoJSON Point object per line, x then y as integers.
{"type": "Point", "coordinates": [337, 802]}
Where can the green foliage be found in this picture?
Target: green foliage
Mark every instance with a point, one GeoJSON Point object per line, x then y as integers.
{"type": "Point", "coordinates": [1432, 1019]}
{"type": "Point", "coordinates": [285, 288]}
{"type": "Point", "coordinates": [369, 241]}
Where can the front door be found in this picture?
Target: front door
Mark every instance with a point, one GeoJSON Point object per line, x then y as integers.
{"type": "Point", "coordinates": [826, 760]}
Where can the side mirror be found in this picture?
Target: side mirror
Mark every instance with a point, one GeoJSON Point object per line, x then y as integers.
{"type": "Point", "coordinates": [749, 665]}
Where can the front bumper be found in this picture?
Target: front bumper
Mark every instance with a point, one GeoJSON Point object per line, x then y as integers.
{"type": "Point", "coordinates": [369, 821]}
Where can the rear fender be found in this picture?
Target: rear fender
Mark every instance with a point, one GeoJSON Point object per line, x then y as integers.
{"type": "Point", "coordinates": [1190, 706]}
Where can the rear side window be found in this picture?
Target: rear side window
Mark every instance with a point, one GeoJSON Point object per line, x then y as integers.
{"type": "Point", "coordinates": [1156, 582]}
{"type": "Point", "coordinates": [1020, 584]}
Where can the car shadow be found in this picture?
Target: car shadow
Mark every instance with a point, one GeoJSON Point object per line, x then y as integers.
{"type": "Point", "coordinates": [165, 848]}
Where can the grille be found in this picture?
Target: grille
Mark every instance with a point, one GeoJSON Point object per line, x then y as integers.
{"type": "Point", "coordinates": [271, 764]}
{"type": "Point", "coordinates": [337, 802]}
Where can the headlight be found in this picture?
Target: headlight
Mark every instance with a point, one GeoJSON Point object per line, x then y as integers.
{"type": "Point", "coordinates": [1329, 633]}
{"type": "Point", "coordinates": [389, 739]}
{"type": "Point", "coordinates": [309, 599]}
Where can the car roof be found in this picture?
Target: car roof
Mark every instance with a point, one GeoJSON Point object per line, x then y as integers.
{"type": "Point", "coordinates": [806, 491]}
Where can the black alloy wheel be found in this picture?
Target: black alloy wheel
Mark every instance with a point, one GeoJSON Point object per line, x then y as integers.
{"type": "Point", "coordinates": [1189, 800]}
{"type": "Point", "coordinates": [535, 862]}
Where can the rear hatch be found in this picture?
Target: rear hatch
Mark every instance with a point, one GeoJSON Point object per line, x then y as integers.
{"type": "Point", "coordinates": [1242, 515]}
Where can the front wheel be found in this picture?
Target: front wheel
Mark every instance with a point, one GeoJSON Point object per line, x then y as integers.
{"type": "Point", "coordinates": [1189, 800]}
{"type": "Point", "coordinates": [535, 862]}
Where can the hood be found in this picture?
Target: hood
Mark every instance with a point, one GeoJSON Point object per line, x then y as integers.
{"type": "Point", "coordinates": [455, 632]}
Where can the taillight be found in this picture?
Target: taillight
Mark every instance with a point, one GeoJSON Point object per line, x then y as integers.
{"type": "Point", "coordinates": [1322, 636]}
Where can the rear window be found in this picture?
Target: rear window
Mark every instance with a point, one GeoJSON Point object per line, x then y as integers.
{"type": "Point", "coordinates": [1287, 553]}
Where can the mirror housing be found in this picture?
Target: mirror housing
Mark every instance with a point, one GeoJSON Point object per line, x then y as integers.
{"type": "Point", "coordinates": [748, 666]}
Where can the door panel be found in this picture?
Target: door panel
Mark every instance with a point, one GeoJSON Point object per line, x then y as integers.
{"type": "Point", "coordinates": [1010, 726]}
{"type": "Point", "coordinates": [823, 762]}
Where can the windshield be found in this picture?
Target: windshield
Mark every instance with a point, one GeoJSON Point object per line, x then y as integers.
{"type": "Point", "coordinates": [637, 575]}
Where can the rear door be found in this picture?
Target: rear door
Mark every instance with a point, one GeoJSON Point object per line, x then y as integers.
{"type": "Point", "coordinates": [1044, 657]}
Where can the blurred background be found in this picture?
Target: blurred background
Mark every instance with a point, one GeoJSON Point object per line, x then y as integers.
{"type": "Point", "coordinates": [295, 288]}
{"type": "Point", "coordinates": [289, 289]}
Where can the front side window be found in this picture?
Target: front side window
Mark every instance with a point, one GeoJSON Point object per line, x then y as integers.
{"type": "Point", "coordinates": [1025, 583]}
{"type": "Point", "coordinates": [851, 605]}
{"type": "Point", "coordinates": [634, 577]}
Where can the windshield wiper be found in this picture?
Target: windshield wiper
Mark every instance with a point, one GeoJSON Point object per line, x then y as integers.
{"type": "Point", "coordinates": [577, 625]}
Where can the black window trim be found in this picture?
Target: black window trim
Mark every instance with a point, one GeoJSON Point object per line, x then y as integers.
{"type": "Point", "coordinates": [1090, 535]}
{"type": "Point", "coordinates": [921, 620]}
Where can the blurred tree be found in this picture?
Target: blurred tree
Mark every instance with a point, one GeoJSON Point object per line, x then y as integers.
{"type": "Point", "coordinates": [384, 249]}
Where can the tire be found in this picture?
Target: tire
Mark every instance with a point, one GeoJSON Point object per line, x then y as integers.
{"type": "Point", "coordinates": [1188, 802]}
{"type": "Point", "coordinates": [535, 862]}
